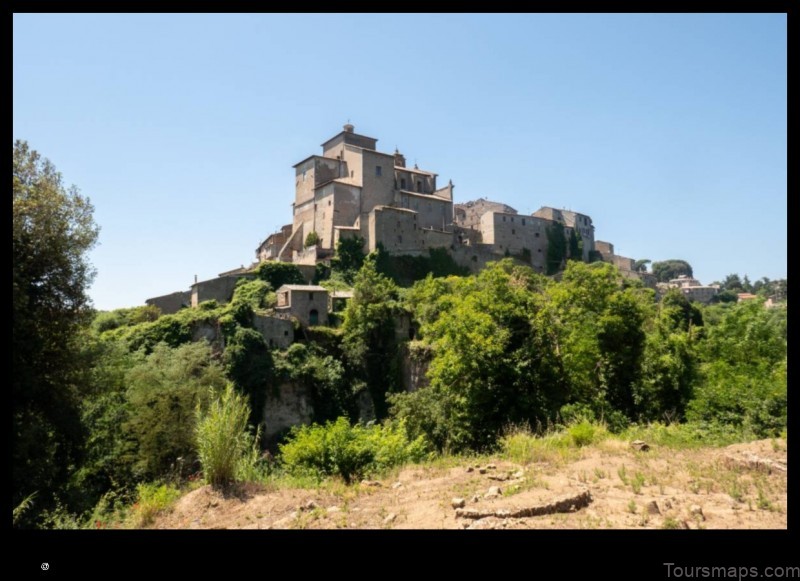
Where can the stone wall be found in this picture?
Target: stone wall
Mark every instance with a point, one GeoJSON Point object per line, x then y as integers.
{"type": "Point", "coordinates": [218, 289]}
{"type": "Point", "coordinates": [289, 406]}
{"type": "Point", "coordinates": [415, 360]}
{"type": "Point", "coordinates": [469, 214]}
{"type": "Point", "coordinates": [171, 303]}
{"type": "Point", "coordinates": [515, 233]}
{"type": "Point", "coordinates": [432, 211]}
{"type": "Point", "coordinates": [276, 332]}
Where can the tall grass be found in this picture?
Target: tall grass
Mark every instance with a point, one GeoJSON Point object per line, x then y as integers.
{"type": "Point", "coordinates": [227, 449]}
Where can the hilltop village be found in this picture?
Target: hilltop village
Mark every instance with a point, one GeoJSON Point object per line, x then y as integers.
{"type": "Point", "coordinates": [355, 191]}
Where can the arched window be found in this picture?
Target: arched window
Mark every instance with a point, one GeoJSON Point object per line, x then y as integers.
{"type": "Point", "coordinates": [313, 317]}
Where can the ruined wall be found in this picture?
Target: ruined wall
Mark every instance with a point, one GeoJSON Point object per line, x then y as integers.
{"type": "Point", "coordinates": [171, 303]}
{"type": "Point", "coordinates": [218, 289]}
{"type": "Point", "coordinates": [276, 332]}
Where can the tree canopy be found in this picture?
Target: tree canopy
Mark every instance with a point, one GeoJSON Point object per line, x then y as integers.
{"type": "Point", "coordinates": [53, 229]}
{"type": "Point", "coordinates": [666, 270]}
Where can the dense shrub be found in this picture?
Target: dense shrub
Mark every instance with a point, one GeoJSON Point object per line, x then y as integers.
{"type": "Point", "coordinates": [338, 448]}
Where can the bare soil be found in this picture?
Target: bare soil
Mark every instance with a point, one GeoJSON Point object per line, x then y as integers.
{"type": "Point", "coordinates": [738, 487]}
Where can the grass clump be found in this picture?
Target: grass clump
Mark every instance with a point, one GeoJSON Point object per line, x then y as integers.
{"type": "Point", "coordinates": [582, 433]}
{"type": "Point", "coordinates": [153, 499]}
{"type": "Point", "coordinates": [227, 449]}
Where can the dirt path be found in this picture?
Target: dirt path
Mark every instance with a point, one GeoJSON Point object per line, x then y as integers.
{"type": "Point", "coordinates": [742, 486]}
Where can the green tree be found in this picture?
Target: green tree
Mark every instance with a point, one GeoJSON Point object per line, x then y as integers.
{"type": "Point", "coordinates": [641, 265]}
{"type": "Point", "coordinates": [733, 283]}
{"type": "Point", "coordinates": [556, 248]}
{"type": "Point", "coordinates": [163, 390]}
{"type": "Point", "coordinates": [278, 274]}
{"type": "Point", "coordinates": [52, 231]}
{"type": "Point", "coordinates": [369, 332]}
{"type": "Point", "coordinates": [666, 270]}
{"type": "Point", "coordinates": [312, 239]}
{"type": "Point", "coordinates": [349, 258]}
{"type": "Point", "coordinates": [575, 245]}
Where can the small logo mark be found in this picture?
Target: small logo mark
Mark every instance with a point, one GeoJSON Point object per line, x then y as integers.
{"type": "Point", "coordinates": [45, 566]}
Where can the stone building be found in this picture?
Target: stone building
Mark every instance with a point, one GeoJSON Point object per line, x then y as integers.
{"type": "Point", "coordinates": [693, 290]}
{"type": "Point", "coordinates": [342, 193]}
{"type": "Point", "coordinates": [307, 303]}
{"type": "Point", "coordinates": [353, 189]}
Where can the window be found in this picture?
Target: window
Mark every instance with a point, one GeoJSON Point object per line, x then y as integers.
{"type": "Point", "coordinates": [504, 218]}
{"type": "Point", "coordinates": [378, 170]}
{"type": "Point", "coordinates": [537, 235]}
{"type": "Point", "coordinates": [419, 186]}
{"type": "Point", "coordinates": [513, 231]}
{"type": "Point", "coordinates": [523, 221]}
{"type": "Point", "coordinates": [512, 218]}
{"type": "Point", "coordinates": [539, 251]}
{"type": "Point", "coordinates": [286, 333]}
{"type": "Point", "coordinates": [399, 238]}
{"type": "Point", "coordinates": [311, 296]}
{"type": "Point", "coordinates": [313, 317]}
{"type": "Point", "coordinates": [402, 183]}
{"type": "Point", "coordinates": [329, 202]}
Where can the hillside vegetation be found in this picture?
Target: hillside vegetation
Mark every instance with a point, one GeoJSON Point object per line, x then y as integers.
{"type": "Point", "coordinates": [117, 414]}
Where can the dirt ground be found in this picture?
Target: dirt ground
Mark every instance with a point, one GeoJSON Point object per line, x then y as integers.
{"type": "Point", "coordinates": [738, 487]}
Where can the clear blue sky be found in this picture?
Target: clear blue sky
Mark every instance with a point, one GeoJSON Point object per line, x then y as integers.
{"type": "Point", "coordinates": [668, 130]}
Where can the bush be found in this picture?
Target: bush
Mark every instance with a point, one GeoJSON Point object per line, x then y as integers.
{"type": "Point", "coordinates": [352, 452]}
{"type": "Point", "coordinates": [224, 444]}
{"type": "Point", "coordinates": [582, 433]}
{"type": "Point", "coordinates": [153, 499]}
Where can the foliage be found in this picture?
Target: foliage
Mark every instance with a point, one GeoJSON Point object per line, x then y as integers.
{"type": "Point", "coordinates": [312, 239]}
{"type": "Point", "coordinates": [641, 265]}
{"type": "Point", "coordinates": [743, 371]}
{"type": "Point", "coordinates": [173, 330]}
{"type": "Point", "coordinates": [108, 320]}
{"type": "Point", "coordinates": [225, 446]}
{"type": "Point", "coordinates": [351, 452]}
{"type": "Point", "coordinates": [52, 232]}
{"type": "Point", "coordinates": [556, 248]}
{"type": "Point", "coordinates": [404, 270]}
{"type": "Point", "coordinates": [323, 376]}
{"type": "Point", "coordinates": [575, 245]}
{"type": "Point", "coordinates": [490, 365]}
{"type": "Point", "coordinates": [511, 347]}
{"type": "Point", "coordinates": [368, 332]}
{"type": "Point", "coordinates": [248, 363]}
{"type": "Point", "coordinates": [666, 270]}
{"type": "Point", "coordinates": [109, 449]}
{"type": "Point", "coordinates": [24, 505]}
{"type": "Point", "coordinates": [152, 500]}
{"type": "Point", "coordinates": [163, 390]}
{"type": "Point", "coordinates": [278, 274]}
{"type": "Point", "coordinates": [582, 433]}
{"type": "Point", "coordinates": [349, 258]}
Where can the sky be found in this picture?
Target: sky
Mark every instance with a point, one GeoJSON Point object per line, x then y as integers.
{"type": "Point", "coordinates": [669, 130]}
